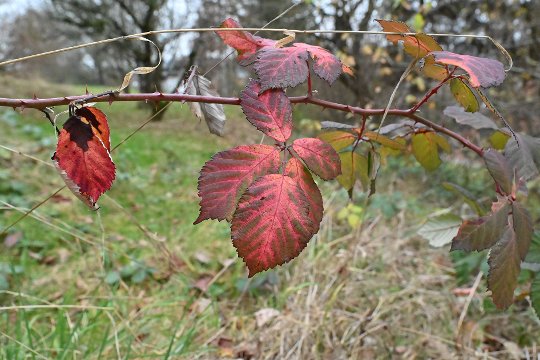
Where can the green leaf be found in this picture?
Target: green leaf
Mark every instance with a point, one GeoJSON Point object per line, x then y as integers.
{"type": "Point", "coordinates": [440, 230]}
{"type": "Point", "coordinates": [353, 167]}
{"type": "Point", "coordinates": [533, 256]}
{"type": "Point", "coordinates": [464, 95]}
{"type": "Point", "coordinates": [4, 283]}
{"type": "Point", "coordinates": [425, 150]}
{"type": "Point", "coordinates": [481, 233]}
{"type": "Point", "coordinates": [113, 277]}
{"type": "Point", "coordinates": [498, 140]}
{"type": "Point", "coordinates": [374, 163]}
{"type": "Point", "coordinates": [468, 196]}
{"type": "Point", "coordinates": [499, 169]}
{"type": "Point", "coordinates": [523, 227]}
{"type": "Point", "coordinates": [443, 143]}
{"type": "Point", "coordinates": [535, 294]}
{"type": "Point", "coordinates": [523, 152]}
{"type": "Point", "coordinates": [139, 276]}
{"type": "Point", "coordinates": [504, 267]}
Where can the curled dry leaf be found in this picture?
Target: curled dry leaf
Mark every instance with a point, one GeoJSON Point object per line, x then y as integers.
{"type": "Point", "coordinates": [213, 114]}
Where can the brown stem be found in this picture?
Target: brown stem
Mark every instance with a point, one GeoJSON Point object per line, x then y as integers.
{"type": "Point", "coordinates": [408, 113]}
{"type": "Point", "coordinates": [309, 88]}
{"type": "Point", "coordinates": [433, 91]}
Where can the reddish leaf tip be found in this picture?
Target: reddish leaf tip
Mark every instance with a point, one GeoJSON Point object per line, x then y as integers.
{"type": "Point", "coordinates": [271, 225]}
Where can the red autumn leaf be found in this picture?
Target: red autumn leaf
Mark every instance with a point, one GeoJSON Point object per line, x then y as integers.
{"type": "Point", "coordinates": [98, 120]}
{"type": "Point", "coordinates": [83, 160]}
{"type": "Point", "coordinates": [244, 42]}
{"type": "Point", "coordinates": [319, 157]}
{"type": "Point", "coordinates": [227, 175]}
{"type": "Point", "coordinates": [325, 64]}
{"type": "Point", "coordinates": [296, 170]}
{"type": "Point", "coordinates": [483, 72]}
{"type": "Point", "coordinates": [270, 111]}
{"type": "Point", "coordinates": [271, 225]}
{"type": "Point", "coordinates": [287, 67]}
{"type": "Point", "coordinates": [281, 67]}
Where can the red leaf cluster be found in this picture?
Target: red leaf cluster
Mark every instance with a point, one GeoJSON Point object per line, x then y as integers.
{"type": "Point", "coordinates": [281, 67]}
{"type": "Point", "coordinates": [274, 207]}
{"type": "Point", "coordinates": [83, 157]}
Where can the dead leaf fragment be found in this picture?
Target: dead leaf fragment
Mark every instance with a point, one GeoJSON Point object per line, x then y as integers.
{"type": "Point", "coordinates": [264, 316]}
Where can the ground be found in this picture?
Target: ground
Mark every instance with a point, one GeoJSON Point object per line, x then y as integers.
{"type": "Point", "coordinates": [137, 280]}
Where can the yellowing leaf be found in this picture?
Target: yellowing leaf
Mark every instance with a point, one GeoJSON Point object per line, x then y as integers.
{"type": "Point", "coordinates": [353, 167]}
{"type": "Point", "coordinates": [425, 150]}
{"type": "Point", "coordinates": [464, 95]}
{"type": "Point", "coordinates": [433, 70]}
{"type": "Point", "coordinates": [339, 140]}
{"type": "Point", "coordinates": [418, 45]}
{"type": "Point", "coordinates": [498, 140]}
{"type": "Point", "coordinates": [443, 143]}
{"type": "Point", "coordinates": [383, 140]}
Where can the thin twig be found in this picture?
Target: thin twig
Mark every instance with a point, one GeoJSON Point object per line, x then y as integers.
{"type": "Point", "coordinates": [409, 113]}
{"type": "Point", "coordinates": [31, 210]}
{"type": "Point", "coordinates": [296, 31]}
{"type": "Point", "coordinates": [54, 306]}
{"type": "Point", "coordinates": [468, 302]}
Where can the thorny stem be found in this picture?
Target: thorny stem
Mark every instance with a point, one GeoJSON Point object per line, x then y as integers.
{"type": "Point", "coordinates": [40, 104]}
{"type": "Point", "coordinates": [434, 90]}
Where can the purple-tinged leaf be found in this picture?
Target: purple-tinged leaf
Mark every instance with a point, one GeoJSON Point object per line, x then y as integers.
{"type": "Point", "coordinates": [523, 227]}
{"type": "Point", "coordinates": [499, 169]}
{"type": "Point", "coordinates": [299, 173]}
{"type": "Point", "coordinates": [481, 233]}
{"type": "Point", "coordinates": [474, 120]}
{"type": "Point", "coordinates": [281, 67]}
{"type": "Point", "coordinates": [271, 225]}
{"type": "Point", "coordinates": [482, 72]}
{"type": "Point", "coordinates": [523, 152]}
{"type": "Point", "coordinates": [319, 157]}
{"type": "Point", "coordinates": [227, 175]}
{"type": "Point", "coordinates": [504, 267]}
{"type": "Point", "coordinates": [325, 64]}
{"type": "Point", "coordinates": [269, 111]}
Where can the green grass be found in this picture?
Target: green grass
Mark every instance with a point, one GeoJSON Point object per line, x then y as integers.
{"type": "Point", "coordinates": [94, 285]}
{"type": "Point", "coordinates": [157, 172]}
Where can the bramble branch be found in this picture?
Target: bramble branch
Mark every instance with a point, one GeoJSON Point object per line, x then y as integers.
{"type": "Point", "coordinates": [111, 97]}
